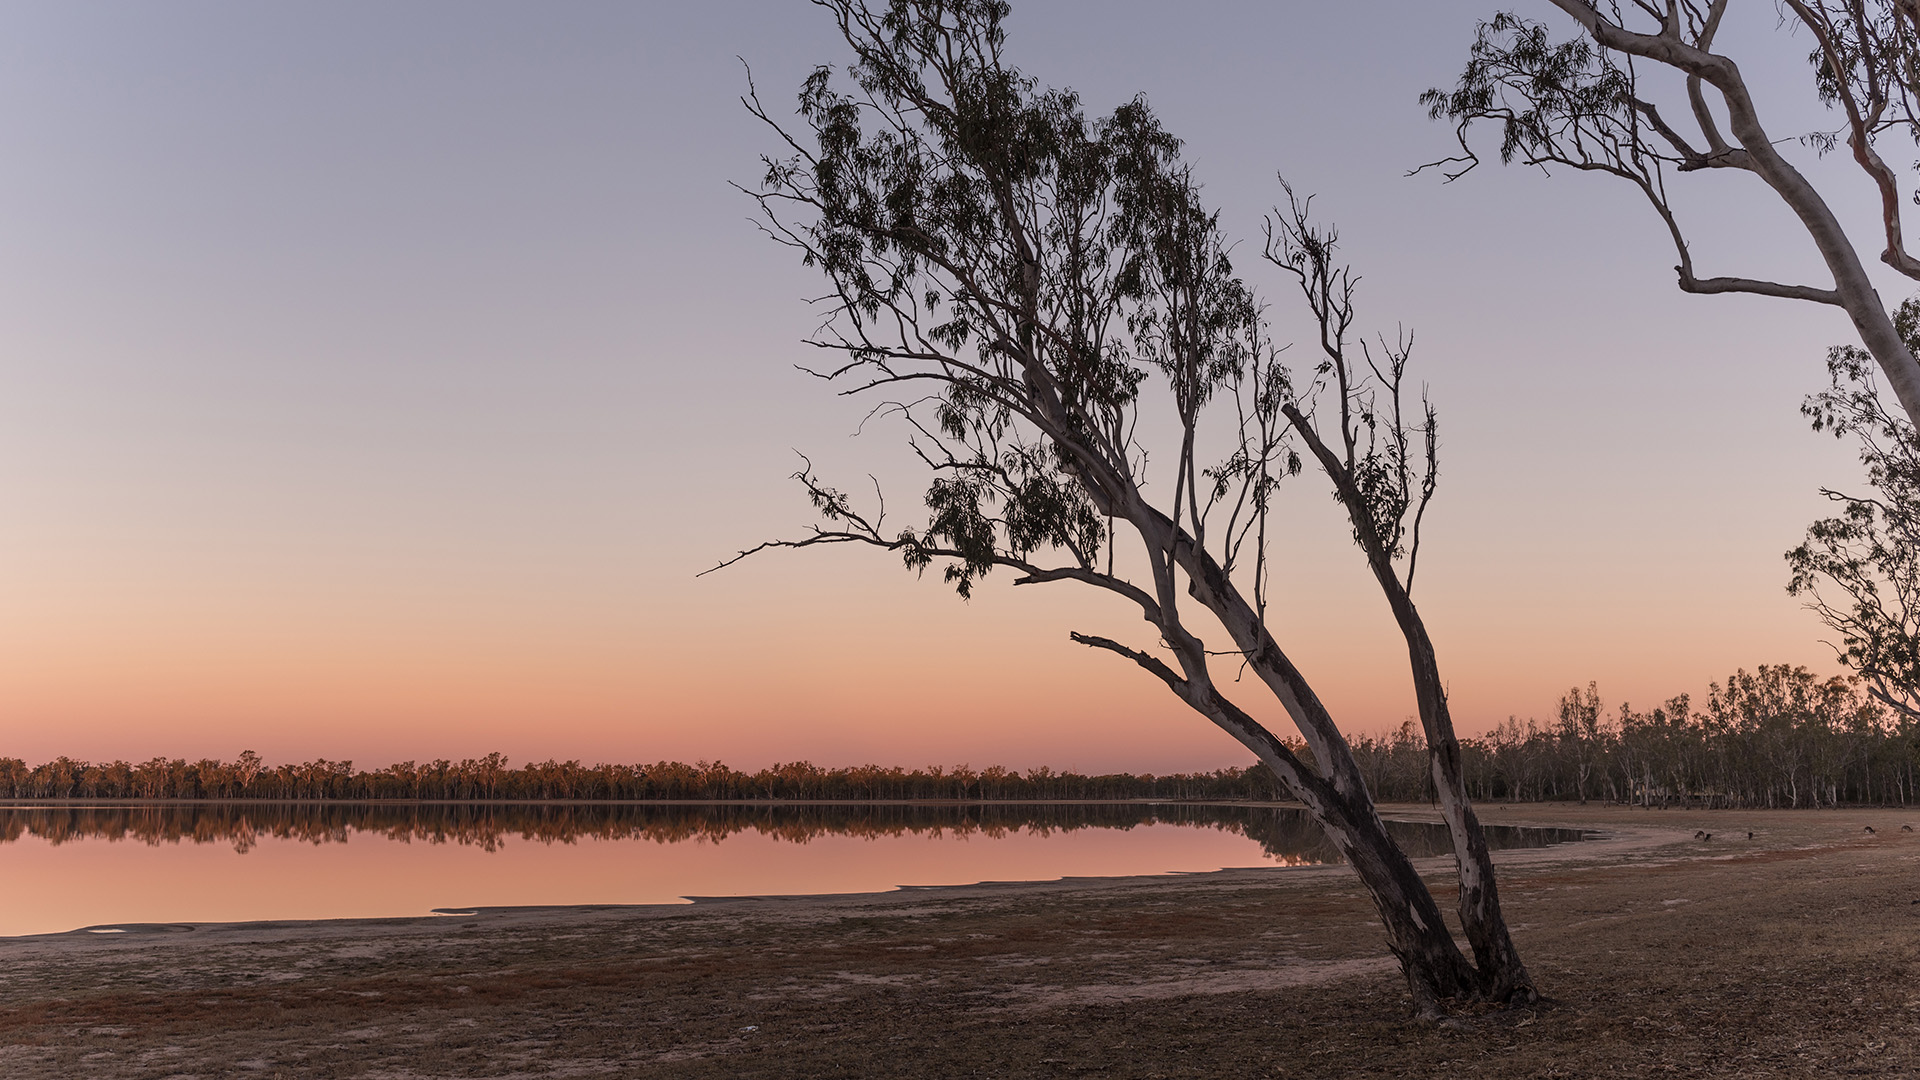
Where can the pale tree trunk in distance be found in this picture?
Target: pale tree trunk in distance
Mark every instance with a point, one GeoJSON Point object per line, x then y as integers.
{"type": "Point", "coordinates": [1853, 290]}
{"type": "Point", "coordinates": [1583, 110]}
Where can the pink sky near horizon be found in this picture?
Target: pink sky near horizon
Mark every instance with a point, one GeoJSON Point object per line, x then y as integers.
{"type": "Point", "coordinates": [374, 383]}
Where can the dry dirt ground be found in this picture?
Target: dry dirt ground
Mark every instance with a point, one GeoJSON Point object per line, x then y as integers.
{"type": "Point", "coordinates": [1793, 954]}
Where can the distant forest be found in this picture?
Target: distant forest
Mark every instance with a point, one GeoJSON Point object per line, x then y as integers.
{"type": "Point", "coordinates": [1779, 737]}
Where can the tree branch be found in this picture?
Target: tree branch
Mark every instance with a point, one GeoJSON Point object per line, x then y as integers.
{"type": "Point", "coordinates": [1689, 283]}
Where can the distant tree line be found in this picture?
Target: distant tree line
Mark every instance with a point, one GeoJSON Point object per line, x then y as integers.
{"type": "Point", "coordinates": [492, 778]}
{"type": "Point", "coordinates": [1777, 737]}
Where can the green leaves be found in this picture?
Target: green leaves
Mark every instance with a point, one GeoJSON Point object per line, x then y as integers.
{"type": "Point", "coordinates": [1867, 557]}
{"type": "Point", "coordinates": [1539, 90]}
{"type": "Point", "coordinates": [1030, 268]}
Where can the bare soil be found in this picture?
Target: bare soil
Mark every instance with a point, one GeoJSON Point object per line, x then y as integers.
{"type": "Point", "coordinates": [1792, 954]}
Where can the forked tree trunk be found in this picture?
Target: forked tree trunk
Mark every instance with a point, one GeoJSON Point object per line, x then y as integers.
{"type": "Point", "coordinates": [1335, 793]}
{"type": "Point", "coordinates": [1336, 797]}
{"type": "Point", "coordinates": [1434, 967]}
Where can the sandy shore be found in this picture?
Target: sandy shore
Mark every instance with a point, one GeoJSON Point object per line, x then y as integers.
{"type": "Point", "coordinates": [1793, 954]}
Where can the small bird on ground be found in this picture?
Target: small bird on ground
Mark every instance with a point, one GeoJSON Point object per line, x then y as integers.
{"type": "Point", "coordinates": [1906, 828]}
{"type": "Point", "coordinates": [1869, 828]}
{"type": "Point", "coordinates": [1749, 836]}
{"type": "Point", "coordinates": [1699, 834]}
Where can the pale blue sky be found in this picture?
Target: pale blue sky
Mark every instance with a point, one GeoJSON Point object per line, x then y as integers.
{"type": "Point", "coordinates": [375, 377]}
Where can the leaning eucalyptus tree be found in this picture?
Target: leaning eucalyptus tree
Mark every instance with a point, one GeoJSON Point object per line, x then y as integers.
{"type": "Point", "coordinates": [1585, 103]}
{"type": "Point", "coordinates": [1020, 285]}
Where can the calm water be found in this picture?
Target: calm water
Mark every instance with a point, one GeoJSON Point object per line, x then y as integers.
{"type": "Point", "coordinates": [72, 866]}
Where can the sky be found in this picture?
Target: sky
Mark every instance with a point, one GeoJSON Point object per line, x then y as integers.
{"type": "Point", "coordinates": [375, 380]}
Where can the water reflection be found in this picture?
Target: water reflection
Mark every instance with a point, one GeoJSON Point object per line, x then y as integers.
{"type": "Point", "coordinates": [1286, 835]}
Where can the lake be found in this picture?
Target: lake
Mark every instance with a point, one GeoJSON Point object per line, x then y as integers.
{"type": "Point", "coordinates": [72, 866]}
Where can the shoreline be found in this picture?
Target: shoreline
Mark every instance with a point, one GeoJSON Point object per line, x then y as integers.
{"type": "Point", "coordinates": [80, 839]}
{"type": "Point", "coordinates": [1794, 954]}
{"type": "Point", "coordinates": [25, 804]}
{"type": "Point", "coordinates": [1397, 807]}
{"type": "Point", "coordinates": [1614, 840]}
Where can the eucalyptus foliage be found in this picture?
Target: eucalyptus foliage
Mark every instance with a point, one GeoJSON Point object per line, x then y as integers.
{"type": "Point", "coordinates": [1860, 569]}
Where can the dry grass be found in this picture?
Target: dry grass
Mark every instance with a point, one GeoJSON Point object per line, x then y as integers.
{"type": "Point", "coordinates": [1791, 955]}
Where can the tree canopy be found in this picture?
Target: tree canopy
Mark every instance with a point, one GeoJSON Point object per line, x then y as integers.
{"type": "Point", "coordinates": [1595, 102]}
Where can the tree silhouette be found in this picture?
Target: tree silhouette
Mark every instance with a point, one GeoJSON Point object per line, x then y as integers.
{"type": "Point", "coordinates": [1032, 282]}
{"type": "Point", "coordinates": [1870, 553]}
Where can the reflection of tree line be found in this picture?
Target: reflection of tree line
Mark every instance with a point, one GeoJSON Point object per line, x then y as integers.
{"type": "Point", "coordinates": [1285, 834]}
